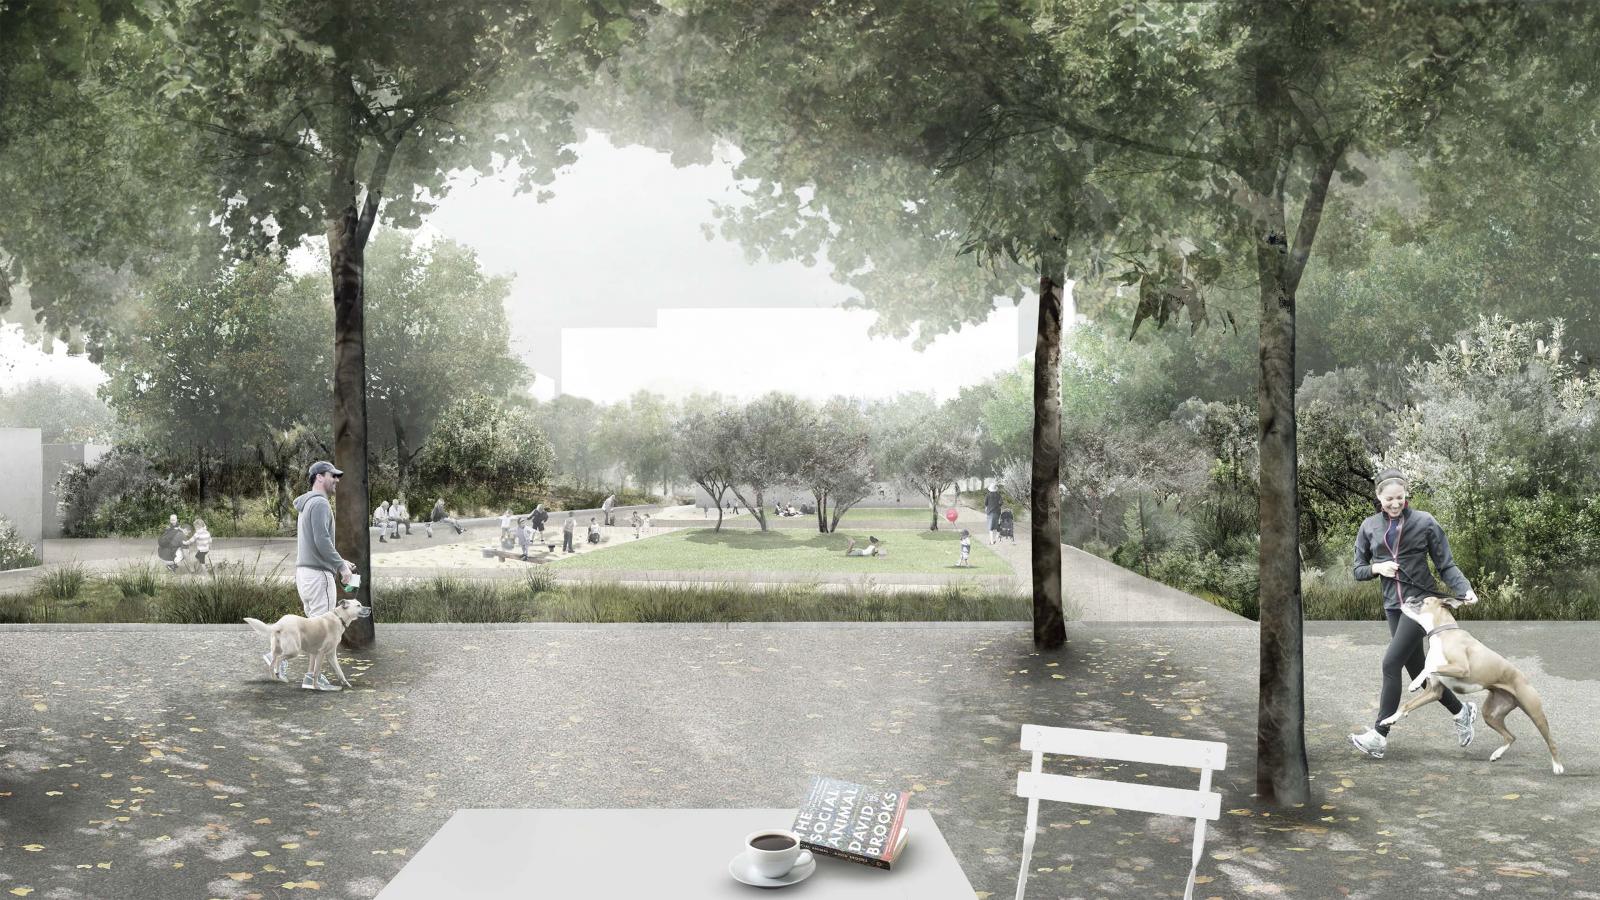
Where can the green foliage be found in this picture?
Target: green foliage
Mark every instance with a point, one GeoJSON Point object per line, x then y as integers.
{"type": "Point", "coordinates": [1151, 528]}
{"type": "Point", "coordinates": [221, 361]}
{"type": "Point", "coordinates": [95, 188]}
{"type": "Point", "coordinates": [225, 595]}
{"type": "Point", "coordinates": [837, 463]}
{"type": "Point", "coordinates": [64, 413]}
{"type": "Point", "coordinates": [63, 582]}
{"type": "Point", "coordinates": [15, 553]}
{"type": "Point", "coordinates": [1501, 438]}
{"type": "Point", "coordinates": [397, 94]}
{"type": "Point", "coordinates": [637, 434]}
{"type": "Point", "coordinates": [1232, 584]}
{"type": "Point", "coordinates": [123, 493]}
{"type": "Point", "coordinates": [140, 580]}
{"type": "Point", "coordinates": [453, 600]}
{"type": "Point", "coordinates": [569, 424]}
{"type": "Point", "coordinates": [436, 329]}
{"type": "Point", "coordinates": [482, 441]}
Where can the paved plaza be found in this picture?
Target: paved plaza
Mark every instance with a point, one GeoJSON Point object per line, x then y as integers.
{"type": "Point", "coordinates": [162, 762]}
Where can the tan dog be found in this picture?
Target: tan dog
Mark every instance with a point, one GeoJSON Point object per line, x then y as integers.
{"type": "Point", "coordinates": [316, 638]}
{"type": "Point", "coordinates": [1461, 662]}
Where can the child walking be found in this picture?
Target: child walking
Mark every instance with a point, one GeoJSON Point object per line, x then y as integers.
{"type": "Point", "coordinates": [966, 547]}
{"type": "Point", "coordinates": [201, 542]}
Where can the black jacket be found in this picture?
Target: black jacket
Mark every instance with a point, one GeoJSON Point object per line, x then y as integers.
{"type": "Point", "coordinates": [1421, 538]}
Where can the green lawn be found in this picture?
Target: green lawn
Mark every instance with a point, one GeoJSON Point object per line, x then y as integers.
{"type": "Point", "coordinates": [741, 550]}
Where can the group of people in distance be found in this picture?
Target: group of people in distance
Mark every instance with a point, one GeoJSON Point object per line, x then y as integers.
{"type": "Point", "coordinates": [391, 517]}
{"type": "Point", "coordinates": [172, 543]}
{"type": "Point", "coordinates": [527, 530]}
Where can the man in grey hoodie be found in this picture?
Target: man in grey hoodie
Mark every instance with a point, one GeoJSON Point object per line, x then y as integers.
{"type": "Point", "coordinates": [317, 561]}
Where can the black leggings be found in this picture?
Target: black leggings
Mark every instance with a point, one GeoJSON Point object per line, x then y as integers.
{"type": "Point", "coordinates": [1405, 648]}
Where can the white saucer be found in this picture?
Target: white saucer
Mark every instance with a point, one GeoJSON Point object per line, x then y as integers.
{"type": "Point", "coordinates": [739, 867]}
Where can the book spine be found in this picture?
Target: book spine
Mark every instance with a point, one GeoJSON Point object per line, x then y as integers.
{"type": "Point", "coordinates": [845, 854]}
{"type": "Point", "coordinates": [893, 841]}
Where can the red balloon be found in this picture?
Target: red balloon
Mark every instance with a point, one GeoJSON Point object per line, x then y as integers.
{"type": "Point", "coordinates": [950, 514]}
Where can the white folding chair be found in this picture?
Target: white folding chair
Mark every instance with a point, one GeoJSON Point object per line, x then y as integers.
{"type": "Point", "coordinates": [1202, 805]}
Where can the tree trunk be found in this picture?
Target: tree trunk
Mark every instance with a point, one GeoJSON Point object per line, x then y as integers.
{"type": "Point", "coordinates": [402, 462]}
{"type": "Point", "coordinates": [200, 474]}
{"type": "Point", "coordinates": [1049, 622]}
{"type": "Point", "coordinates": [933, 500]}
{"type": "Point", "coordinates": [348, 256]}
{"type": "Point", "coordinates": [839, 509]}
{"type": "Point", "coordinates": [1281, 769]}
{"type": "Point", "coordinates": [822, 510]}
{"type": "Point", "coordinates": [280, 479]}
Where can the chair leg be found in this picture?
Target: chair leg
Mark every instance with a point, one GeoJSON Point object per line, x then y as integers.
{"type": "Point", "coordinates": [1194, 859]}
{"type": "Point", "coordinates": [1027, 846]}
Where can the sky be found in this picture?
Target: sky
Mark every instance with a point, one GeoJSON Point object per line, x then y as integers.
{"type": "Point", "coordinates": [814, 353]}
{"type": "Point", "coordinates": [622, 240]}
{"type": "Point", "coordinates": [21, 361]}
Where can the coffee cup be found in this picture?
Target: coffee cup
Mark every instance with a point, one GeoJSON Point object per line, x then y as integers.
{"type": "Point", "coordinates": [774, 853]}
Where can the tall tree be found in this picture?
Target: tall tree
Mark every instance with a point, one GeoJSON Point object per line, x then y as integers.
{"type": "Point", "coordinates": [570, 423]}
{"type": "Point", "coordinates": [324, 117]}
{"type": "Point", "coordinates": [766, 442]}
{"type": "Point", "coordinates": [1267, 102]}
{"type": "Point", "coordinates": [837, 465]}
{"type": "Point", "coordinates": [438, 332]}
{"type": "Point", "coordinates": [938, 454]}
{"type": "Point", "coordinates": [221, 364]}
{"type": "Point", "coordinates": [65, 413]}
{"type": "Point", "coordinates": [697, 442]}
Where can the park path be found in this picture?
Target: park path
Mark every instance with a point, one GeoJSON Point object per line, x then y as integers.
{"type": "Point", "coordinates": [1098, 589]}
{"type": "Point", "coordinates": [162, 761]}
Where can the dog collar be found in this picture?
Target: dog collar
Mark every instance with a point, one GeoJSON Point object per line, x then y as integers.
{"type": "Point", "coordinates": [1442, 628]}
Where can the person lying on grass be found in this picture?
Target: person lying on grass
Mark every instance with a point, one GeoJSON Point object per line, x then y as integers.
{"type": "Point", "coordinates": [873, 548]}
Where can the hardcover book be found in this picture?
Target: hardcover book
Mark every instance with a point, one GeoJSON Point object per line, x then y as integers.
{"type": "Point", "coordinates": [852, 821]}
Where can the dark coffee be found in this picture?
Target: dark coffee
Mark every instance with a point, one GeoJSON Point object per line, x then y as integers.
{"type": "Point", "coordinates": [772, 842]}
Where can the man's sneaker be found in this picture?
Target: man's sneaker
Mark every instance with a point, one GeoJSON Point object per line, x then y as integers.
{"type": "Point", "coordinates": [1465, 720]}
{"type": "Point", "coordinates": [1370, 742]}
{"type": "Point", "coordinates": [320, 683]}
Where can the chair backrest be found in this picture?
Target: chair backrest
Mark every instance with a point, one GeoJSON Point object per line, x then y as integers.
{"type": "Point", "coordinates": [1201, 804]}
{"type": "Point", "coordinates": [1160, 751]}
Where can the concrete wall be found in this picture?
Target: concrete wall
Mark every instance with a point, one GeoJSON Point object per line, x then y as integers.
{"type": "Point", "coordinates": [21, 497]}
{"type": "Point", "coordinates": [57, 457]}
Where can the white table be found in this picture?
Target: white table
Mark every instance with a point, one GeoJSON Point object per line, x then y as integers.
{"type": "Point", "coordinates": [527, 854]}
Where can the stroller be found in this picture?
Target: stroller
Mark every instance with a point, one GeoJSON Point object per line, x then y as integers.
{"type": "Point", "coordinates": [1008, 525]}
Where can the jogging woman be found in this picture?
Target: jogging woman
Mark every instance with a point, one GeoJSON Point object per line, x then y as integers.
{"type": "Point", "coordinates": [1395, 545]}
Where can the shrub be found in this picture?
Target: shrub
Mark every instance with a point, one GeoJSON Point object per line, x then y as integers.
{"type": "Point", "coordinates": [479, 440]}
{"type": "Point", "coordinates": [138, 580]}
{"type": "Point", "coordinates": [62, 583]}
{"type": "Point", "coordinates": [226, 595]}
{"type": "Point", "coordinates": [123, 493]}
{"type": "Point", "coordinates": [1502, 439]}
{"type": "Point", "coordinates": [15, 553]}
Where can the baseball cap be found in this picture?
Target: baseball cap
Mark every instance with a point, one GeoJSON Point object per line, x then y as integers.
{"type": "Point", "coordinates": [320, 466]}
